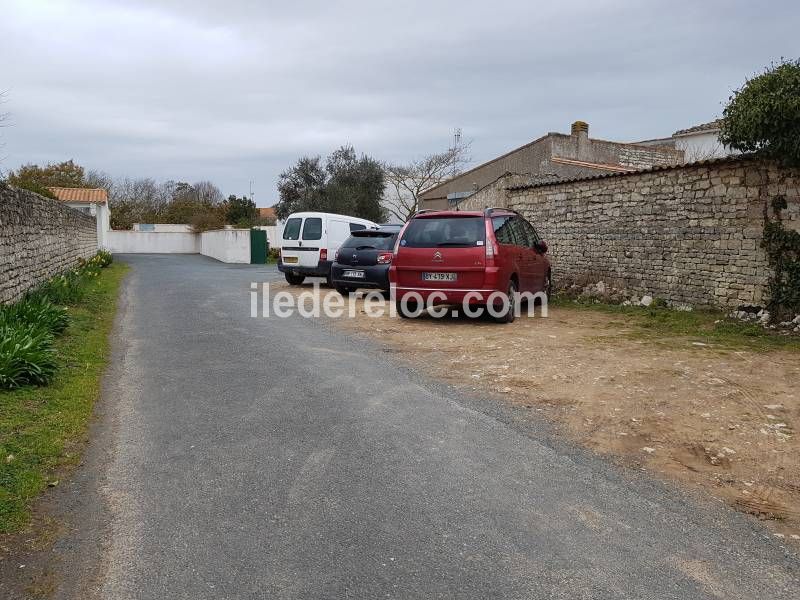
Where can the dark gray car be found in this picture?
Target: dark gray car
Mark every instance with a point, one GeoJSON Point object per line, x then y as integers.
{"type": "Point", "coordinates": [363, 260]}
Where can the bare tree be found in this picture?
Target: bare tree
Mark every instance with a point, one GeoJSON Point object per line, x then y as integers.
{"type": "Point", "coordinates": [405, 183]}
{"type": "Point", "coordinates": [208, 193]}
{"type": "Point", "coordinates": [98, 179]}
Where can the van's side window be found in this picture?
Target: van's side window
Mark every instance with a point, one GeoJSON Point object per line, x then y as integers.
{"type": "Point", "coordinates": [292, 229]}
{"type": "Point", "coordinates": [312, 228]}
{"type": "Point", "coordinates": [356, 227]}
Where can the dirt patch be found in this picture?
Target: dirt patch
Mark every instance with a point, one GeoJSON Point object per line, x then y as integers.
{"type": "Point", "coordinates": [720, 419]}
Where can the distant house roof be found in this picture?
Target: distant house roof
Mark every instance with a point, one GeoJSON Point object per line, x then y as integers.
{"type": "Point", "coordinates": [266, 212]}
{"type": "Point", "coordinates": [88, 195]}
{"type": "Point", "coordinates": [592, 165]}
{"type": "Point", "coordinates": [710, 126]}
{"type": "Point", "coordinates": [697, 163]}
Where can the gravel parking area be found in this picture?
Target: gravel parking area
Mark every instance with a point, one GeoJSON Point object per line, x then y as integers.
{"type": "Point", "coordinates": [714, 417]}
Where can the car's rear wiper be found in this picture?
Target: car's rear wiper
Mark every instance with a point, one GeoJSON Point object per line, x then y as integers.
{"type": "Point", "coordinates": [467, 244]}
{"type": "Point", "coordinates": [365, 247]}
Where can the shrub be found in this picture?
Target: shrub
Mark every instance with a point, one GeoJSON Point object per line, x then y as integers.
{"type": "Point", "coordinates": [104, 257]}
{"type": "Point", "coordinates": [63, 289]}
{"type": "Point", "coordinates": [37, 311]}
{"type": "Point", "coordinates": [206, 221]}
{"type": "Point", "coordinates": [26, 356]}
{"type": "Point", "coordinates": [764, 115]}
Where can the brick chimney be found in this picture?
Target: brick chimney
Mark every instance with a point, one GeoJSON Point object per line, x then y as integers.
{"type": "Point", "coordinates": [580, 129]}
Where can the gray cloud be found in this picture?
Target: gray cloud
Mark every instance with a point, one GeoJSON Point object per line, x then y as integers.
{"type": "Point", "coordinates": [236, 90]}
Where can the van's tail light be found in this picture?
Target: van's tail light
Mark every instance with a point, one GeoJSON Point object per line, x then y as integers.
{"type": "Point", "coordinates": [384, 258]}
{"type": "Point", "coordinates": [323, 254]}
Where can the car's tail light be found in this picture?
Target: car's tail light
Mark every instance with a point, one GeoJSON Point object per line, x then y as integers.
{"type": "Point", "coordinates": [384, 258]}
{"type": "Point", "coordinates": [323, 254]}
{"type": "Point", "coordinates": [491, 246]}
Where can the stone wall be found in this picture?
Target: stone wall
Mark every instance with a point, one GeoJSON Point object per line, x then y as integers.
{"type": "Point", "coordinates": [688, 234]}
{"type": "Point", "coordinates": [39, 238]}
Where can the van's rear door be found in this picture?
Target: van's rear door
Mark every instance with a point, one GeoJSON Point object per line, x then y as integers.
{"type": "Point", "coordinates": [442, 252]}
{"type": "Point", "coordinates": [301, 241]}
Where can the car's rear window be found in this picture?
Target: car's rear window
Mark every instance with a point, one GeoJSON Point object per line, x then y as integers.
{"type": "Point", "coordinates": [291, 230]}
{"type": "Point", "coordinates": [383, 242]}
{"type": "Point", "coordinates": [441, 232]}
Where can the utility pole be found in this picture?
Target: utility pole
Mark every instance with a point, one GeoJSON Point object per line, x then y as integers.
{"type": "Point", "coordinates": [456, 146]}
{"type": "Point", "coordinates": [251, 190]}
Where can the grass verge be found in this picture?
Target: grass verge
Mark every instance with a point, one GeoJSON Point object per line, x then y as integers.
{"type": "Point", "coordinates": [41, 427]}
{"type": "Point", "coordinates": [706, 326]}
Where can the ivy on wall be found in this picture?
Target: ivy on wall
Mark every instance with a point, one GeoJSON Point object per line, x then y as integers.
{"type": "Point", "coordinates": [783, 254]}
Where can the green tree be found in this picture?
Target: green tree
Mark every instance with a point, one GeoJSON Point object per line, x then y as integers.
{"type": "Point", "coordinates": [763, 116]}
{"type": "Point", "coordinates": [38, 179]}
{"type": "Point", "coordinates": [63, 174]}
{"type": "Point", "coordinates": [355, 185]}
{"type": "Point", "coordinates": [301, 187]}
{"type": "Point", "coordinates": [347, 184]}
{"type": "Point", "coordinates": [241, 212]}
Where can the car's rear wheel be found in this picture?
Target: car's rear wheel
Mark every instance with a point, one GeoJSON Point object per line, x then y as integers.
{"type": "Point", "coordinates": [548, 285]}
{"type": "Point", "coordinates": [293, 279]}
{"type": "Point", "coordinates": [509, 314]}
{"type": "Point", "coordinates": [407, 310]}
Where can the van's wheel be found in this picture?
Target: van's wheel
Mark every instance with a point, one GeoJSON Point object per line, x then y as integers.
{"type": "Point", "coordinates": [293, 279]}
{"type": "Point", "coordinates": [407, 310]}
{"type": "Point", "coordinates": [509, 314]}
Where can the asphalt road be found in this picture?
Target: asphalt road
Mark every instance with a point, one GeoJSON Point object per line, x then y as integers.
{"type": "Point", "coordinates": [273, 458]}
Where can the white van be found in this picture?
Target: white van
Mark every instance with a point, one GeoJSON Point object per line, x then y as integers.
{"type": "Point", "coordinates": [309, 241]}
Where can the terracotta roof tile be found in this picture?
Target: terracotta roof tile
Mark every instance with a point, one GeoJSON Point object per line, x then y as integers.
{"type": "Point", "coordinates": [97, 195]}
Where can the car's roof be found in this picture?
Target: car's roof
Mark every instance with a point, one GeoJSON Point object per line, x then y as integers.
{"type": "Point", "coordinates": [383, 231]}
{"type": "Point", "coordinates": [304, 214]}
{"type": "Point", "coordinates": [448, 213]}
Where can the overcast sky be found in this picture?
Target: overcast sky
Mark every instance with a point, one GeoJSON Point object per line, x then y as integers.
{"type": "Point", "coordinates": [236, 90]}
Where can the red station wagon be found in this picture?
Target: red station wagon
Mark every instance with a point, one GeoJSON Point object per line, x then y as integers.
{"type": "Point", "coordinates": [454, 252]}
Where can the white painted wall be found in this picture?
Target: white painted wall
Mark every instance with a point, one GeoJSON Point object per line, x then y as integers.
{"type": "Point", "coordinates": [702, 145]}
{"type": "Point", "coordinates": [226, 245]}
{"type": "Point", "coordinates": [101, 214]}
{"type": "Point", "coordinates": [136, 242]}
{"type": "Point", "coordinates": [272, 234]}
{"type": "Point", "coordinates": [165, 227]}
{"type": "Point", "coordinates": [103, 225]}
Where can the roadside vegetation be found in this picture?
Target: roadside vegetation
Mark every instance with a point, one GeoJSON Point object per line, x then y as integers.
{"type": "Point", "coordinates": [53, 350]}
{"type": "Point", "coordinates": [711, 327]}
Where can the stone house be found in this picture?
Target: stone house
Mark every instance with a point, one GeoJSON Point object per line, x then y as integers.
{"type": "Point", "coordinates": [555, 155]}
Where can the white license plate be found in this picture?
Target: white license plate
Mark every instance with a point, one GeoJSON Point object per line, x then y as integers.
{"type": "Point", "coordinates": [439, 276]}
{"type": "Point", "coordinates": [290, 260]}
{"type": "Point", "coordinates": [354, 274]}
